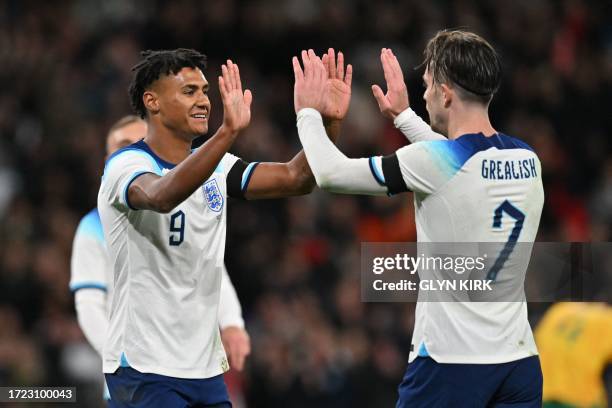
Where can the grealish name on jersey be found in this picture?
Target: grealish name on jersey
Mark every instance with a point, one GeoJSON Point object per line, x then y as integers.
{"type": "Point", "coordinates": [472, 189]}
{"type": "Point", "coordinates": [509, 169]}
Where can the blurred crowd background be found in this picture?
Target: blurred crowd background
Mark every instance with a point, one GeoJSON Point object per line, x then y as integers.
{"type": "Point", "coordinates": [64, 72]}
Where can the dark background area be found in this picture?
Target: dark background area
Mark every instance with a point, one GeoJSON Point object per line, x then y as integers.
{"type": "Point", "coordinates": [64, 71]}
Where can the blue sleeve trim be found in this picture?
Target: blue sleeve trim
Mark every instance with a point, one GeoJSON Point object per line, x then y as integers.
{"type": "Point", "coordinates": [127, 187]}
{"type": "Point", "coordinates": [88, 285]}
{"type": "Point", "coordinates": [378, 175]}
{"type": "Point", "coordinates": [246, 176]}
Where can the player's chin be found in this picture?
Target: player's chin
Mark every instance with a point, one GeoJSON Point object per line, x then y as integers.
{"type": "Point", "coordinates": [199, 128]}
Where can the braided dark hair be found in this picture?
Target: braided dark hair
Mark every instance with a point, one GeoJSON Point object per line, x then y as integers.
{"type": "Point", "coordinates": [158, 63]}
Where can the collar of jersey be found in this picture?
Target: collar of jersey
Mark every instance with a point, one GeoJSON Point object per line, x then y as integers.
{"type": "Point", "coordinates": [498, 140]}
{"type": "Point", "coordinates": [141, 144]}
{"type": "Point", "coordinates": [478, 135]}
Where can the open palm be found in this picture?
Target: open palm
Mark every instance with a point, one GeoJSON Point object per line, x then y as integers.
{"type": "Point", "coordinates": [338, 86]}
{"type": "Point", "coordinates": [236, 103]}
{"type": "Point", "coordinates": [396, 99]}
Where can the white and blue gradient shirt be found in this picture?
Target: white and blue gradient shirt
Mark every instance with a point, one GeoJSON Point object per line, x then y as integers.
{"type": "Point", "coordinates": [90, 269]}
{"type": "Point", "coordinates": [471, 189]}
{"type": "Point", "coordinates": [167, 269]}
{"type": "Point", "coordinates": [89, 265]}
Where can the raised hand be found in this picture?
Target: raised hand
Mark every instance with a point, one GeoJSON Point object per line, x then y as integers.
{"type": "Point", "coordinates": [338, 86]}
{"type": "Point", "coordinates": [236, 103]}
{"type": "Point", "coordinates": [396, 99]}
{"type": "Point", "coordinates": [309, 88]}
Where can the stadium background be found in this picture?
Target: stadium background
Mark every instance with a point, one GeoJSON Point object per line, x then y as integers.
{"type": "Point", "coordinates": [64, 70]}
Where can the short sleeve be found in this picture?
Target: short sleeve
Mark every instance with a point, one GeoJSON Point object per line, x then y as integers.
{"type": "Point", "coordinates": [426, 166]}
{"type": "Point", "coordinates": [121, 170]}
{"type": "Point", "coordinates": [89, 263]}
{"type": "Point", "coordinates": [227, 162]}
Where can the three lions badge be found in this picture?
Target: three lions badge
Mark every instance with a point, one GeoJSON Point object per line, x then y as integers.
{"type": "Point", "coordinates": [212, 195]}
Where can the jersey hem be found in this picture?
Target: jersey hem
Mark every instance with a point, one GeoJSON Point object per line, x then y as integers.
{"type": "Point", "coordinates": [109, 367]}
{"type": "Point", "coordinates": [478, 359]}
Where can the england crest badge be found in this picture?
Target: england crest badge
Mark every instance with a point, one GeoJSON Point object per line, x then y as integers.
{"type": "Point", "coordinates": [212, 195]}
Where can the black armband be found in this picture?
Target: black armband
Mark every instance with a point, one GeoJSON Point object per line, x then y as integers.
{"type": "Point", "coordinates": [393, 175]}
{"type": "Point", "coordinates": [239, 177]}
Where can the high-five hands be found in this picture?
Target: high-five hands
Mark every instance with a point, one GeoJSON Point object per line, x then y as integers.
{"type": "Point", "coordinates": [395, 101]}
{"type": "Point", "coordinates": [236, 103]}
{"type": "Point", "coordinates": [310, 84]}
{"type": "Point", "coordinates": [323, 84]}
{"type": "Point", "coordinates": [338, 86]}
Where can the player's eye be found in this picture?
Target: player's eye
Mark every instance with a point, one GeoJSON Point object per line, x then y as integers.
{"type": "Point", "coordinates": [189, 92]}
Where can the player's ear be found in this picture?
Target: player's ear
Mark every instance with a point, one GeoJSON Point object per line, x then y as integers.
{"type": "Point", "coordinates": [151, 101]}
{"type": "Point", "coordinates": [447, 95]}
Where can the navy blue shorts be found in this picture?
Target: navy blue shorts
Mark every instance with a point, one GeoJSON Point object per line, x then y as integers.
{"type": "Point", "coordinates": [430, 384]}
{"type": "Point", "coordinates": [132, 389]}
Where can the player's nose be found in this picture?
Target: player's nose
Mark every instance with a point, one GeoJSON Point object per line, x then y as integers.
{"type": "Point", "coordinates": [203, 101]}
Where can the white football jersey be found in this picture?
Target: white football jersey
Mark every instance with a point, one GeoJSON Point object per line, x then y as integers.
{"type": "Point", "coordinates": [167, 270]}
{"type": "Point", "coordinates": [89, 265]}
{"type": "Point", "coordinates": [471, 189]}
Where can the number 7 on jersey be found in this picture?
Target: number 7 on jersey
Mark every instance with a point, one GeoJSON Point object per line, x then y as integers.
{"type": "Point", "coordinates": [518, 215]}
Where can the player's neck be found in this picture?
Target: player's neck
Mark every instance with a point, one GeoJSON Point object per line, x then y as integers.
{"type": "Point", "coordinates": [167, 145]}
{"type": "Point", "coordinates": [469, 119]}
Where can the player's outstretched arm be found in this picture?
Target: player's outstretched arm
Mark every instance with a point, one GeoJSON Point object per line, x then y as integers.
{"type": "Point", "coordinates": [162, 194]}
{"type": "Point", "coordinates": [332, 169]}
{"type": "Point", "coordinates": [395, 104]}
{"type": "Point", "coordinates": [273, 180]}
{"type": "Point", "coordinates": [235, 338]}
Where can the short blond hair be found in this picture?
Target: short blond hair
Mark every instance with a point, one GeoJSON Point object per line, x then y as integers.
{"type": "Point", "coordinates": [124, 121]}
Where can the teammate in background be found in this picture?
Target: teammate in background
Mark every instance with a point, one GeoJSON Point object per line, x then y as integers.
{"type": "Point", "coordinates": [575, 344]}
{"type": "Point", "coordinates": [91, 278]}
{"type": "Point", "coordinates": [463, 354]}
{"type": "Point", "coordinates": [163, 210]}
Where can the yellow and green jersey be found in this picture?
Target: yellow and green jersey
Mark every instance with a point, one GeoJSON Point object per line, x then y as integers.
{"type": "Point", "coordinates": [575, 345]}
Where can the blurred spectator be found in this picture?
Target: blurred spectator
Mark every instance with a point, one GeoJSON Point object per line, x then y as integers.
{"type": "Point", "coordinates": [295, 263]}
